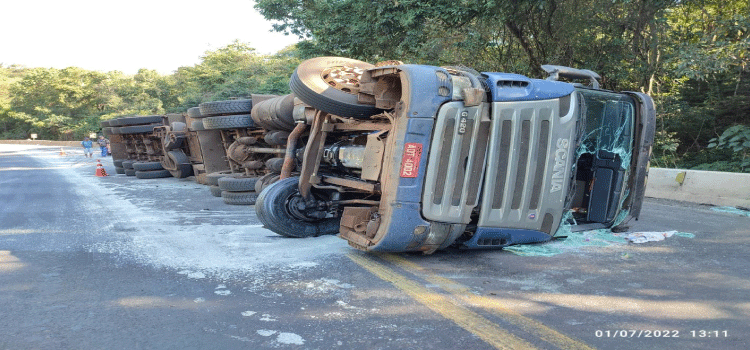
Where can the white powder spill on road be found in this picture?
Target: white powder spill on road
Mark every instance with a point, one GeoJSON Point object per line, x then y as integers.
{"type": "Point", "coordinates": [643, 237]}
{"type": "Point", "coordinates": [139, 228]}
{"type": "Point", "coordinates": [223, 292]}
{"type": "Point", "coordinates": [199, 300]}
{"type": "Point", "coordinates": [240, 338]}
{"type": "Point", "coordinates": [267, 318]}
{"type": "Point", "coordinates": [265, 332]}
{"type": "Point", "coordinates": [290, 338]}
{"type": "Point", "coordinates": [248, 313]}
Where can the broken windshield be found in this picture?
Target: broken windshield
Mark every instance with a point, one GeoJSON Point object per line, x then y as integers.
{"type": "Point", "coordinates": [603, 157]}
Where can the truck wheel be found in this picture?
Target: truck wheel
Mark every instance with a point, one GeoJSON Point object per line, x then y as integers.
{"type": "Point", "coordinates": [137, 129]}
{"type": "Point", "coordinates": [330, 84]}
{"type": "Point", "coordinates": [128, 164]}
{"type": "Point", "coordinates": [118, 162]}
{"type": "Point", "coordinates": [182, 165]}
{"type": "Point", "coordinates": [228, 122]}
{"type": "Point", "coordinates": [137, 120]}
{"type": "Point", "coordinates": [147, 166]}
{"type": "Point", "coordinates": [239, 198]}
{"type": "Point", "coordinates": [266, 180]}
{"type": "Point", "coordinates": [197, 125]}
{"type": "Point", "coordinates": [152, 174]}
{"type": "Point", "coordinates": [194, 112]}
{"type": "Point", "coordinates": [104, 123]}
{"type": "Point", "coordinates": [129, 172]}
{"type": "Point", "coordinates": [209, 109]}
{"type": "Point", "coordinates": [212, 179]}
{"type": "Point", "coordinates": [281, 209]}
{"type": "Point", "coordinates": [119, 170]}
{"type": "Point", "coordinates": [215, 191]}
{"type": "Point", "coordinates": [237, 184]}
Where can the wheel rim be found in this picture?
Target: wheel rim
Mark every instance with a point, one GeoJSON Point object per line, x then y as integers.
{"type": "Point", "coordinates": [343, 78]}
{"type": "Point", "coordinates": [296, 207]}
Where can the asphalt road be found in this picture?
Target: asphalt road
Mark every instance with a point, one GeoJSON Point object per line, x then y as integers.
{"type": "Point", "coordinates": [123, 263]}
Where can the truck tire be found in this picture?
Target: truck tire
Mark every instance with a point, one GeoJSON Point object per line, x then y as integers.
{"type": "Point", "coordinates": [152, 174]}
{"type": "Point", "coordinates": [119, 170]}
{"type": "Point", "coordinates": [215, 191]}
{"type": "Point", "coordinates": [275, 209]}
{"type": "Point", "coordinates": [330, 84]}
{"type": "Point", "coordinates": [239, 198]}
{"type": "Point", "coordinates": [147, 166]}
{"type": "Point", "coordinates": [138, 129]}
{"type": "Point", "coordinates": [115, 131]}
{"type": "Point", "coordinates": [265, 181]}
{"type": "Point", "coordinates": [136, 120]}
{"type": "Point", "coordinates": [129, 172]}
{"type": "Point", "coordinates": [228, 122]}
{"type": "Point", "coordinates": [212, 179]}
{"type": "Point", "coordinates": [118, 162]}
{"type": "Point", "coordinates": [104, 123]}
{"type": "Point", "coordinates": [197, 125]}
{"type": "Point", "coordinates": [128, 164]}
{"type": "Point", "coordinates": [184, 168]}
{"type": "Point", "coordinates": [194, 112]}
{"type": "Point", "coordinates": [237, 184]}
{"type": "Point", "coordinates": [227, 107]}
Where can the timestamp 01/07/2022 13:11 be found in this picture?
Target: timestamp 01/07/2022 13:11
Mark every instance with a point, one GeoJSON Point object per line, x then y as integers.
{"type": "Point", "coordinates": [633, 333]}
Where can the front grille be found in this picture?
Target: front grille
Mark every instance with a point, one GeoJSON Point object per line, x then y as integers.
{"type": "Point", "coordinates": [456, 164]}
{"type": "Point", "coordinates": [517, 192]}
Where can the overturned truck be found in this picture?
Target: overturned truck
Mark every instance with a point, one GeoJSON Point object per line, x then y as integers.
{"type": "Point", "coordinates": [419, 158]}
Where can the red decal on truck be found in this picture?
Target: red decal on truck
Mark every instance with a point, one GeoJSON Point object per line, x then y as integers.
{"type": "Point", "coordinates": [410, 160]}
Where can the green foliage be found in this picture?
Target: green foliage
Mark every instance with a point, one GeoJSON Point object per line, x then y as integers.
{"type": "Point", "coordinates": [70, 103]}
{"type": "Point", "coordinates": [736, 138]}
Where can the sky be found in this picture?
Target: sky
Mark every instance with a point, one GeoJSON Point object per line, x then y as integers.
{"type": "Point", "coordinates": [128, 35]}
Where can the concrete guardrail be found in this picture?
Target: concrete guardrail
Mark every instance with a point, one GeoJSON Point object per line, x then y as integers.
{"type": "Point", "coordinates": [710, 187]}
{"type": "Point", "coordinates": [43, 143]}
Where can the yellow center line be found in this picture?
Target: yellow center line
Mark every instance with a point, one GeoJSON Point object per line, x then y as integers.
{"type": "Point", "coordinates": [463, 317]}
{"type": "Point", "coordinates": [529, 325]}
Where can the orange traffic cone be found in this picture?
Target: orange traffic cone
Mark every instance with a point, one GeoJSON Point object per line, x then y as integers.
{"type": "Point", "coordinates": [100, 169]}
{"type": "Point", "coordinates": [62, 151]}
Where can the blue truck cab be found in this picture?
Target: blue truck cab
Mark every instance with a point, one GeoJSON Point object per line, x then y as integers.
{"type": "Point", "coordinates": [452, 157]}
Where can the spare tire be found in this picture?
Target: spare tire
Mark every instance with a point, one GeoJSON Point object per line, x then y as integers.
{"type": "Point", "coordinates": [228, 122]}
{"type": "Point", "coordinates": [136, 120]}
{"type": "Point", "coordinates": [331, 84]}
{"type": "Point", "coordinates": [237, 184]}
{"type": "Point", "coordinates": [226, 107]}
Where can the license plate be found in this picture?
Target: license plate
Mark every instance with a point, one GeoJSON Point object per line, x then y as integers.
{"type": "Point", "coordinates": [410, 160]}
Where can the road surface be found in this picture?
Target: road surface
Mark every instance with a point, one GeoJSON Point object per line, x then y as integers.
{"type": "Point", "coordinates": [124, 263]}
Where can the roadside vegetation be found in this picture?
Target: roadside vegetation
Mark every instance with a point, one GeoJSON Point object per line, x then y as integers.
{"type": "Point", "coordinates": [691, 56]}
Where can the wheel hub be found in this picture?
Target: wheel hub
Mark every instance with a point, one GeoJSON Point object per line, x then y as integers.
{"type": "Point", "coordinates": [343, 78]}
{"type": "Point", "coordinates": [299, 209]}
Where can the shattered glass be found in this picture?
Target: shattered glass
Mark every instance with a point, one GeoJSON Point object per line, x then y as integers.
{"type": "Point", "coordinates": [609, 123]}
